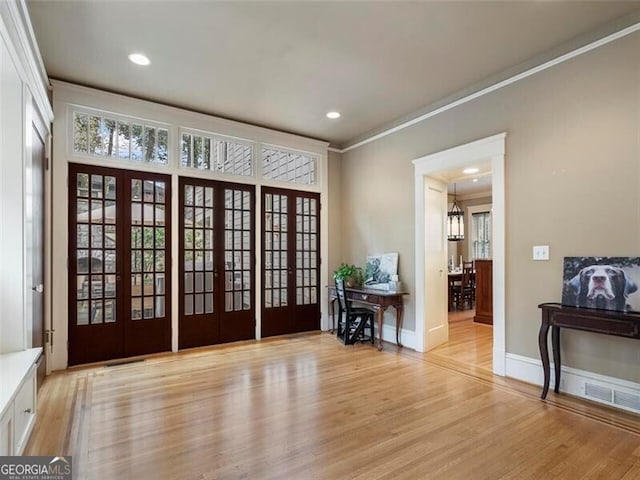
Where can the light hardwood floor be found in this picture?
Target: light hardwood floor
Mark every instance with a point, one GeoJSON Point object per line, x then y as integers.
{"type": "Point", "coordinates": [308, 407]}
{"type": "Point", "coordinates": [469, 344]}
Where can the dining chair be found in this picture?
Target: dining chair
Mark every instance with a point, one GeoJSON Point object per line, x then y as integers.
{"type": "Point", "coordinates": [464, 292]}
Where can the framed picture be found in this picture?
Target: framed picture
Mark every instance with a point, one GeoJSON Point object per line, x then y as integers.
{"type": "Point", "coordinates": [380, 270]}
{"type": "Point", "coordinates": [607, 283]}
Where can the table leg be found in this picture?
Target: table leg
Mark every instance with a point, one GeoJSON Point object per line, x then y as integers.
{"type": "Point", "coordinates": [399, 310]}
{"type": "Point", "coordinates": [555, 343]}
{"type": "Point", "coordinates": [544, 355]}
{"type": "Point", "coordinates": [380, 314]}
{"type": "Point", "coordinates": [332, 302]}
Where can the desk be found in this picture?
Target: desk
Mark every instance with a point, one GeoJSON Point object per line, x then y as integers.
{"type": "Point", "coordinates": [558, 316]}
{"type": "Point", "coordinates": [380, 300]}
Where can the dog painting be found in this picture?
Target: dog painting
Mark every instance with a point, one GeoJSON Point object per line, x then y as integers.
{"type": "Point", "coordinates": [606, 283]}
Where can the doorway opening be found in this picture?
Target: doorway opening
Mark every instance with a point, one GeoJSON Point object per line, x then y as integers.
{"type": "Point", "coordinates": [469, 265]}
{"type": "Point", "coordinates": [431, 312]}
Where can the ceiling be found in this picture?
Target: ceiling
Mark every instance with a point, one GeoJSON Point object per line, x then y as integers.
{"type": "Point", "coordinates": [468, 184]}
{"type": "Point", "coordinates": [283, 65]}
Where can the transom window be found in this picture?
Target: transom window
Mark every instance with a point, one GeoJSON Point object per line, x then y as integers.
{"type": "Point", "coordinates": [216, 154]}
{"type": "Point", "coordinates": [289, 166]}
{"type": "Point", "coordinates": [102, 136]}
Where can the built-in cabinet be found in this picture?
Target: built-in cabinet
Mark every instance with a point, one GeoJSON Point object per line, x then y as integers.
{"type": "Point", "coordinates": [17, 399]}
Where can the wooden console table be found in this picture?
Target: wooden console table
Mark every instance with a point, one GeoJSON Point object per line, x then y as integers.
{"type": "Point", "coordinates": [380, 300]}
{"type": "Point", "coordinates": [558, 316]}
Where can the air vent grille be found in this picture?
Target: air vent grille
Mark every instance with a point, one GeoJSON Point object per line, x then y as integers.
{"type": "Point", "coordinates": [627, 400]}
{"type": "Point", "coordinates": [596, 391]}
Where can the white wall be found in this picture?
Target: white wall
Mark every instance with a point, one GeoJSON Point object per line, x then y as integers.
{"type": "Point", "coordinates": [12, 295]}
{"type": "Point", "coordinates": [572, 181]}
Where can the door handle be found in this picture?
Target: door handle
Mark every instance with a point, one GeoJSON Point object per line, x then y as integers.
{"type": "Point", "coordinates": [38, 288]}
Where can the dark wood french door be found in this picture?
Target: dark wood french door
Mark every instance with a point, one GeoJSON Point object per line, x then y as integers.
{"type": "Point", "coordinates": [290, 261]}
{"type": "Point", "coordinates": [119, 263]}
{"type": "Point", "coordinates": [217, 252]}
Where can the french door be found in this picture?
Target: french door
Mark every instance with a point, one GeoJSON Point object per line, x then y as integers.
{"type": "Point", "coordinates": [290, 261]}
{"type": "Point", "coordinates": [119, 263]}
{"type": "Point", "coordinates": [217, 251]}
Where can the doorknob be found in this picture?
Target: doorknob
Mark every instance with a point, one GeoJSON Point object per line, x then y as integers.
{"type": "Point", "coordinates": [38, 288]}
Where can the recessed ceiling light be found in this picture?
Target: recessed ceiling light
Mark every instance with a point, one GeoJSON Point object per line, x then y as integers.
{"type": "Point", "coordinates": [471, 170]}
{"type": "Point", "coordinates": [333, 115]}
{"type": "Point", "coordinates": [139, 59]}
{"type": "Point", "coordinates": [475, 180]}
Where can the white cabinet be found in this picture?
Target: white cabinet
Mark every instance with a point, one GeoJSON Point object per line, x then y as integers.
{"type": "Point", "coordinates": [24, 411]}
{"type": "Point", "coordinates": [17, 399]}
{"type": "Point", "coordinates": [6, 432]}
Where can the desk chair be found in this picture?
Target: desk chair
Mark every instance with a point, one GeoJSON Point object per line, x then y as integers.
{"type": "Point", "coordinates": [353, 325]}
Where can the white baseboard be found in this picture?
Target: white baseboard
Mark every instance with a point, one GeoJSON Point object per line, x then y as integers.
{"type": "Point", "coordinates": [407, 337]}
{"type": "Point", "coordinates": [622, 394]}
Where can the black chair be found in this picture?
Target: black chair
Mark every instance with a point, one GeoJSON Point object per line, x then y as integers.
{"type": "Point", "coordinates": [355, 324]}
{"type": "Point", "coordinates": [465, 291]}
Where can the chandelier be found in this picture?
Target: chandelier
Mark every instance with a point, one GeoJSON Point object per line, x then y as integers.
{"type": "Point", "coordinates": [455, 221]}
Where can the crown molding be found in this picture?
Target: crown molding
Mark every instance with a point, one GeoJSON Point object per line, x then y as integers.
{"type": "Point", "coordinates": [573, 53]}
{"type": "Point", "coordinates": [16, 28]}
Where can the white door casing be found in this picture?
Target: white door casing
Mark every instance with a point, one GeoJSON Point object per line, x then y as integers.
{"type": "Point", "coordinates": [492, 149]}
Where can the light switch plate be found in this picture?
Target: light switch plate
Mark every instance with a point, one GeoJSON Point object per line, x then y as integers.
{"type": "Point", "coordinates": [541, 252]}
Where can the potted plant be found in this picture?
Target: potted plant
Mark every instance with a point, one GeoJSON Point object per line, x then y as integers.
{"type": "Point", "coordinates": [352, 275]}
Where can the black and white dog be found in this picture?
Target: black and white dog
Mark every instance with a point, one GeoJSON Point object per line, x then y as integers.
{"type": "Point", "coordinates": [602, 286]}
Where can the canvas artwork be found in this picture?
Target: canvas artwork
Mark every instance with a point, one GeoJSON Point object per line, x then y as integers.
{"type": "Point", "coordinates": [380, 270]}
{"type": "Point", "coordinates": [608, 283]}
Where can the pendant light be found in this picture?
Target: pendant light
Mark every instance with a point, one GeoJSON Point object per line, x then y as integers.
{"type": "Point", "coordinates": [455, 221]}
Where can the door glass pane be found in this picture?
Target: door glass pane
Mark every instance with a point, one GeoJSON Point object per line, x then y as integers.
{"type": "Point", "coordinates": [109, 311]}
{"type": "Point", "coordinates": [307, 245]}
{"type": "Point", "coordinates": [238, 236]}
{"type": "Point", "coordinates": [274, 250]}
{"type": "Point", "coordinates": [148, 207]}
{"type": "Point", "coordinates": [82, 313]}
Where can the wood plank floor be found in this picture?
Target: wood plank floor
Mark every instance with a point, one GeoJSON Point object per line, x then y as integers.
{"type": "Point", "coordinates": [469, 343]}
{"type": "Point", "coordinates": [308, 407]}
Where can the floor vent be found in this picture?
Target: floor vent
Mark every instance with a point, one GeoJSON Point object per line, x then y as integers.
{"type": "Point", "coordinates": [598, 392]}
{"type": "Point", "coordinates": [619, 398]}
{"type": "Point", "coordinates": [627, 400]}
{"type": "Point", "coordinates": [124, 362]}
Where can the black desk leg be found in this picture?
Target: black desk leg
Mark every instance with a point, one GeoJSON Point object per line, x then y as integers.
{"type": "Point", "coordinates": [544, 356]}
{"type": "Point", "coordinates": [555, 342]}
{"type": "Point", "coordinates": [332, 311]}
